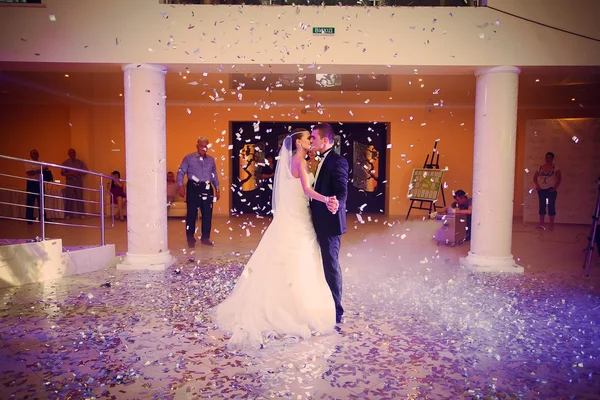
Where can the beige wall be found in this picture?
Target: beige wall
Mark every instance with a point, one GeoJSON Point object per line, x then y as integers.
{"type": "Point", "coordinates": [280, 38]}
{"type": "Point", "coordinates": [23, 128]}
{"type": "Point", "coordinates": [97, 131]}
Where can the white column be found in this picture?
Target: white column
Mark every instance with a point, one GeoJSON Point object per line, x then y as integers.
{"type": "Point", "coordinates": [494, 171]}
{"type": "Point", "coordinates": [145, 143]}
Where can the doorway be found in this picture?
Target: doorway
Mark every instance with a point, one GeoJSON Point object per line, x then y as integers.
{"type": "Point", "coordinates": [254, 144]}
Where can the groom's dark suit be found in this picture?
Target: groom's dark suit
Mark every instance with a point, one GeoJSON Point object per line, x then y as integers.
{"type": "Point", "coordinates": [332, 180]}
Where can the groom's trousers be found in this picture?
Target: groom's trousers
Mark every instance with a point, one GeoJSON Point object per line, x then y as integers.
{"type": "Point", "coordinates": [330, 251]}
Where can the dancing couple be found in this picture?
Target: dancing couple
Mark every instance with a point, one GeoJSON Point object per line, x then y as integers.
{"type": "Point", "coordinates": [292, 284]}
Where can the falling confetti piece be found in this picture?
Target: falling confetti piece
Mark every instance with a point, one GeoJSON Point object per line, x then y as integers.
{"type": "Point", "coordinates": [53, 18]}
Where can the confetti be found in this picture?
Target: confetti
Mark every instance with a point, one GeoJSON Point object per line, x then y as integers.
{"type": "Point", "coordinates": [415, 320]}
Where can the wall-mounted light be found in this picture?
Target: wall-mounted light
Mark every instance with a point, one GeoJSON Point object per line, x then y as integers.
{"type": "Point", "coordinates": [537, 80]}
{"type": "Point", "coordinates": [66, 75]}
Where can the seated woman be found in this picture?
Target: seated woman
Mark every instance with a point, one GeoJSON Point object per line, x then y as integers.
{"type": "Point", "coordinates": [117, 188]}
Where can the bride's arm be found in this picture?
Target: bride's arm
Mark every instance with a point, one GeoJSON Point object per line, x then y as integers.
{"type": "Point", "coordinates": [308, 191]}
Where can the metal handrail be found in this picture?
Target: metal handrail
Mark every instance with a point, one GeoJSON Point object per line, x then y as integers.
{"type": "Point", "coordinates": [42, 208]}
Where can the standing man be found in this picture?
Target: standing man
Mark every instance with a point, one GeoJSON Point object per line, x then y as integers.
{"type": "Point", "coordinates": [33, 186]}
{"type": "Point", "coordinates": [331, 179]}
{"type": "Point", "coordinates": [202, 176]}
{"type": "Point", "coordinates": [74, 181]}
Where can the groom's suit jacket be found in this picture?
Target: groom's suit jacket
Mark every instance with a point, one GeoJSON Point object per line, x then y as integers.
{"type": "Point", "coordinates": [332, 181]}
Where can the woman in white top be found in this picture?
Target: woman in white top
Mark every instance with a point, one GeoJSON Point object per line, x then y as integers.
{"type": "Point", "coordinates": [547, 180]}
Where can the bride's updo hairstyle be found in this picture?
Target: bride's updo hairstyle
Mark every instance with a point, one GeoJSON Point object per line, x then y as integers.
{"type": "Point", "coordinates": [296, 134]}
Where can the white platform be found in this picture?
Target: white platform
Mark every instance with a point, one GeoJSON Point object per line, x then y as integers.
{"type": "Point", "coordinates": [494, 265]}
{"type": "Point", "coordinates": [146, 262]}
{"type": "Point", "coordinates": [25, 263]}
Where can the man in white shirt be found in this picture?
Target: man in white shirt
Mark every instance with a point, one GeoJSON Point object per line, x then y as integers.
{"type": "Point", "coordinates": [33, 171]}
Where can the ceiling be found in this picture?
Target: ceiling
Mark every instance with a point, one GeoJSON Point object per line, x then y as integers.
{"type": "Point", "coordinates": [103, 85]}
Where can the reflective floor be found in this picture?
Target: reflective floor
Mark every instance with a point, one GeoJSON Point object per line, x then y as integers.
{"type": "Point", "coordinates": [417, 324]}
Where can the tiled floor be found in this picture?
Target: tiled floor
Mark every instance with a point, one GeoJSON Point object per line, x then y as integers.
{"type": "Point", "coordinates": [417, 325]}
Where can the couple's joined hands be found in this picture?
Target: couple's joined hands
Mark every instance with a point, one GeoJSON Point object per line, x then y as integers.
{"type": "Point", "coordinates": [332, 204]}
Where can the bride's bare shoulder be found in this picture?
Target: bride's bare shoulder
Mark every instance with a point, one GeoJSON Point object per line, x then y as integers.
{"type": "Point", "coordinates": [297, 165]}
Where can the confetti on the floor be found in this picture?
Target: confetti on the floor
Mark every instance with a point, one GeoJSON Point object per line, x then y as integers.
{"type": "Point", "coordinates": [415, 329]}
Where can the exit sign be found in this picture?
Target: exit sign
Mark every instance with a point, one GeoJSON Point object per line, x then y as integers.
{"type": "Point", "coordinates": [323, 31]}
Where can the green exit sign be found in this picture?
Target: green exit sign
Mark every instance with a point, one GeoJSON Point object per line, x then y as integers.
{"type": "Point", "coordinates": [323, 31]}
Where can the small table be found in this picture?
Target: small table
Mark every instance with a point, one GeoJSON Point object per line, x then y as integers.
{"type": "Point", "coordinates": [454, 229]}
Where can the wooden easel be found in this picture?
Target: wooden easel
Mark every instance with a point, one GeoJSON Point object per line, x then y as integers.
{"type": "Point", "coordinates": [430, 205]}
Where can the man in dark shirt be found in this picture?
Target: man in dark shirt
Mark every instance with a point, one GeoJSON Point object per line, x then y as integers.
{"type": "Point", "coordinates": [202, 177]}
{"type": "Point", "coordinates": [462, 205]}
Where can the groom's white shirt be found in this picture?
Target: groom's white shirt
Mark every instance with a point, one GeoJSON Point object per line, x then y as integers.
{"type": "Point", "coordinates": [319, 167]}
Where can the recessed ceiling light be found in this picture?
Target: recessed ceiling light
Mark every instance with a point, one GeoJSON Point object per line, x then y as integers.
{"type": "Point", "coordinates": [573, 99]}
{"type": "Point", "coordinates": [66, 75]}
{"type": "Point", "coordinates": [537, 80]}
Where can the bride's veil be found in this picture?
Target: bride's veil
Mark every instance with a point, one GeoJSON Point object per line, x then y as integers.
{"type": "Point", "coordinates": [283, 175]}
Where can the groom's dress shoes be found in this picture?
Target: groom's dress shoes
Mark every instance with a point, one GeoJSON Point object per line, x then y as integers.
{"type": "Point", "coordinates": [207, 242]}
{"type": "Point", "coordinates": [339, 319]}
{"type": "Point", "coordinates": [191, 243]}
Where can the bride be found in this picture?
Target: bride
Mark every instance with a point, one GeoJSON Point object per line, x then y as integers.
{"type": "Point", "coordinates": [282, 290]}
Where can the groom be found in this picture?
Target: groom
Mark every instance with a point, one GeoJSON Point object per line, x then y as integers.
{"type": "Point", "coordinates": [331, 179]}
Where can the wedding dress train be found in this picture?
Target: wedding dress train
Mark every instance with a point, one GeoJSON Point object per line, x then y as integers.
{"type": "Point", "coordinates": [282, 290]}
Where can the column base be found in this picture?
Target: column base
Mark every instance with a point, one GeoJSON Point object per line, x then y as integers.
{"type": "Point", "coordinates": [496, 265]}
{"type": "Point", "coordinates": [150, 262]}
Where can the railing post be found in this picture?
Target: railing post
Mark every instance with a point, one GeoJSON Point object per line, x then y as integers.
{"type": "Point", "coordinates": [41, 201]}
{"type": "Point", "coordinates": [102, 239]}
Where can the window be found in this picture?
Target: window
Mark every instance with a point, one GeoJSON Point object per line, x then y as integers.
{"type": "Point", "coordinates": [22, 1]}
{"type": "Point", "coordinates": [400, 3]}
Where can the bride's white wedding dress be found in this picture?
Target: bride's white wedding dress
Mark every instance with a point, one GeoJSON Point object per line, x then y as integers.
{"type": "Point", "coordinates": [282, 290]}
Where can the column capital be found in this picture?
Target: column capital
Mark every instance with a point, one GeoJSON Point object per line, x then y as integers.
{"type": "Point", "coordinates": [495, 70]}
{"type": "Point", "coordinates": [147, 67]}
